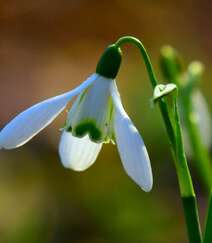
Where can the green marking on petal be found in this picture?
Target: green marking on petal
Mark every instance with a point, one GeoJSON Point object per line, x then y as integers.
{"type": "Point", "coordinates": [69, 129]}
{"type": "Point", "coordinates": [88, 127]}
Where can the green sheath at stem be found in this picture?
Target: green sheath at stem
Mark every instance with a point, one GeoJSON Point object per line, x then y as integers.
{"type": "Point", "coordinates": [175, 137]}
{"type": "Point", "coordinates": [185, 181]}
{"type": "Point", "coordinates": [191, 215]}
{"type": "Point", "coordinates": [208, 227]}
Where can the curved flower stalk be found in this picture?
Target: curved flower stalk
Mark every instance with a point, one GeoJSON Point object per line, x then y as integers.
{"type": "Point", "coordinates": [97, 116]}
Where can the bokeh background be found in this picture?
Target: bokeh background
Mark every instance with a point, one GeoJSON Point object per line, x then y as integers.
{"type": "Point", "coordinates": [48, 47]}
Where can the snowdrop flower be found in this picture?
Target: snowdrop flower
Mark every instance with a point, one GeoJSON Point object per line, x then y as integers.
{"type": "Point", "coordinates": [201, 116]}
{"type": "Point", "coordinates": [96, 117]}
{"type": "Point", "coordinates": [199, 113]}
{"type": "Point", "coordinates": [192, 103]}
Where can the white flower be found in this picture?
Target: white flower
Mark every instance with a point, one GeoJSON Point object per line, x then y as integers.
{"type": "Point", "coordinates": [96, 117]}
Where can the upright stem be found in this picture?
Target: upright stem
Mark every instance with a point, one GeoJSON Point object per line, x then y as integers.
{"type": "Point", "coordinates": [175, 137]}
{"type": "Point", "coordinates": [187, 191]}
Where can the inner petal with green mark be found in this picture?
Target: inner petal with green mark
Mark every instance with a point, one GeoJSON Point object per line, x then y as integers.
{"type": "Point", "coordinates": [92, 112]}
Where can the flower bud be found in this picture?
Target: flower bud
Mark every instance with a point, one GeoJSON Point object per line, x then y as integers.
{"type": "Point", "coordinates": [170, 63]}
{"type": "Point", "coordinates": [195, 71]}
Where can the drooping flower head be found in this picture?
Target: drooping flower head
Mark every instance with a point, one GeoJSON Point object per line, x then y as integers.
{"type": "Point", "coordinates": [96, 117]}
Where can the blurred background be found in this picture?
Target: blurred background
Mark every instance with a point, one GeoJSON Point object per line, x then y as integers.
{"type": "Point", "coordinates": [48, 47]}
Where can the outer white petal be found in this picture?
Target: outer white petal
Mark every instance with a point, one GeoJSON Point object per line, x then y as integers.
{"type": "Point", "coordinates": [31, 121]}
{"type": "Point", "coordinates": [131, 147]}
{"type": "Point", "coordinates": [78, 153]}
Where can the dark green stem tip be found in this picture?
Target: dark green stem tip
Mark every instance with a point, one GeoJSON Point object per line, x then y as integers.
{"type": "Point", "coordinates": [110, 61]}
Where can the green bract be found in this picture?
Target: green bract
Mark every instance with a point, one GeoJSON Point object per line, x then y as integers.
{"type": "Point", "coordinates": [109, 63]}
{"type": "Point", "coordinates": [162, 90]}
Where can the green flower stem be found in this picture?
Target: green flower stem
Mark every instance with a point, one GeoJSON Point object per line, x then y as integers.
{"type": "Point", "coordinates": [174, 133]}
{"type": "Point", "coordinates": [187, 191]}
{"type": "Point", "coordinates": [201, 155]}
{"type": "Point", "coordinates": [132, 40]}
{"type": "Point", "coordinates": [163, 107]}
{"type": "Point", "coordinates": [208, 227]}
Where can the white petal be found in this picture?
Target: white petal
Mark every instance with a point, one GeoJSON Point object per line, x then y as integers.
{"type": "Point", "coordinates": [31, 121]}
{"type": "Point", "coordinates": [78, 153]}
{"type": "Point", "coordinates": [131, 147]}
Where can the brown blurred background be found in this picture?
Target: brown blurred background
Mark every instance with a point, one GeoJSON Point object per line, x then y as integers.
{"type": "Point", "coordinates": [48, 47]}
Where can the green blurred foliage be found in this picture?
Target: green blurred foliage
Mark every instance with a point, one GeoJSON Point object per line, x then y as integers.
{"type": "Point", "coordinates": [47, 48]}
